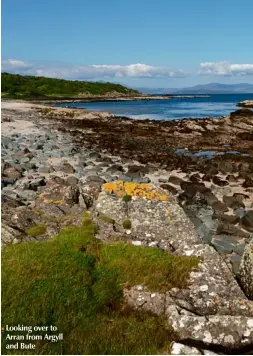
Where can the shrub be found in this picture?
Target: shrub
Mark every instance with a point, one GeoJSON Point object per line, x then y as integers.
{"type": "Point", "coordinates": [126, 198]}
{"type": "Point", "coordinates": [127, 224]}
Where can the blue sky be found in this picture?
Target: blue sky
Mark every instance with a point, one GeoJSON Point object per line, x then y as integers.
{"type": "Point", "coordinates": [163, 43]}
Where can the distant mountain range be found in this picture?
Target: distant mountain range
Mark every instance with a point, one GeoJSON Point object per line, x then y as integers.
{"type": "Point", "coordinates": [211, 88]}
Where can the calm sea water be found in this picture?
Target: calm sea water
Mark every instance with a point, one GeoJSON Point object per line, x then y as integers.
{"type": "Point", "coordinates": [213, 106]}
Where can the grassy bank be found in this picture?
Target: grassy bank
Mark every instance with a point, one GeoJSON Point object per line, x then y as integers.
{"type": "Point", "coordinates": [74, 282]}
{"type": "Point", "coordinates": [31, 87]}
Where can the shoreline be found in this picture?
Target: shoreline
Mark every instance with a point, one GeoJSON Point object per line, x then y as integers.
{"type": "Point", "coordinates": [57, 163]}
{"type": "Point", "coordinates": [91, 99]}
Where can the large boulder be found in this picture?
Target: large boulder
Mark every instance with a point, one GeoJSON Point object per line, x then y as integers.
{"type": "Point", "coordinates": [246, 270]}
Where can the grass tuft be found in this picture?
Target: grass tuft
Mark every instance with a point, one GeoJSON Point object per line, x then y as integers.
{"type": "Point", "coordinates": [36, 230]}
{"type": "Point", "coordinates": [74, 282]}
{"type": "Point", "coordinates": [127, 224]}
{"type": "Point", "coordinates": [126, 198]}
{"type": "Point", "coordinates": [107, 219]}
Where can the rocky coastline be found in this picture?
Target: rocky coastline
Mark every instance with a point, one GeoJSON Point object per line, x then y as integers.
{"type": "Point", "coordinates": [59, 163]}
{"type": "Point", "coordinates": [246, 104]}
{"type": "Point", "coordinates": [115, 98]}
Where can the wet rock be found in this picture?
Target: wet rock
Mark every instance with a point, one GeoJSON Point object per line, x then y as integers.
{"type": "Point", "coordinates": [248, 183]}
{"type": "Point", "coordinates": [175, 180]}
{"type": "Point", "coordinates": [135, 171]}
{"type": "Point", "coordinates": [226, 167]}
{"type": "Point", "coordinates": [229, 229]}
{"type": "Point", "coordinates": [94, 155]}
{"type": "Point", "coordinates": [233, 202]}
{"type": "Point", "coordinates": [219, 207]}
{"type": "Point", "coordinates": [232, 219]}
{"type": "Point", "coordinates": [170, 188]}
{"type": "Point", "coordinates": [114, 168]}
{"type": "Point", "coordinates": [231, 178]}
{"type": "Point", "coordinates": [247, 221]}
{"type": "Point", "coordinates": [246, 270]}
{"type": "Point", "coordinates": [220, 182]}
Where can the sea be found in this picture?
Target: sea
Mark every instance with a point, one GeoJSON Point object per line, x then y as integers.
{"type": "Point", "coordinates": [216, 105]}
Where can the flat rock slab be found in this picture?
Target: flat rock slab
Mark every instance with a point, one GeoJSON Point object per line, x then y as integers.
{"type": "Point", "coordinates": [154, 214]}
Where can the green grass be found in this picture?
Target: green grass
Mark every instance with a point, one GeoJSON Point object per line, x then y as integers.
{"type": "Point", "coordinates": [29, 87]}
{"type": "Point", "coordinates": [74, 282]}
{"type": "Point", "coordinates": [36, 230]}
{"type": "Point", "coordinates": [107, 219]}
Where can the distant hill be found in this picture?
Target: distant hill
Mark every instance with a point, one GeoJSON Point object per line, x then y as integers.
{"type": "Point", "coordinates": [211, 88]}
{"type": "Point", "coordinates": [18, 86]}
{"type": "Point", "coordinates": [217, 88]}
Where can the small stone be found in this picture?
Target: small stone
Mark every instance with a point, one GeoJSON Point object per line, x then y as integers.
{"type": "Point", "coordinates": [136, 243]}
{"type": "Point", "coordinates": [94, 178]}
{"type": "Point", "coordinates": [235, 261]}
{"type": "Point", "coordinates": [247, 221]}
{"type": "Point", "coordinates": [72, 180]}
{"type": "Point", "coordinates": [66, 168]}
{"type": "Point", "coordinates": [125, 178]}
{"type": "Point", "coordinates": [46, 169]}
{"type": "Point", "coordinates": [163, 180]}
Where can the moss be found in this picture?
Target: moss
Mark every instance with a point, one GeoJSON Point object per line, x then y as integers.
{"type": "Point", "coordinates": [36, 230]}
{"type": "Point", "coordinates": [127, 224]}
{"type": "Point", "coordinates": [126, 198]}
{"type": "Point", "coordinates": [39, 212]}
{"type": "Point", "coordinates": [107, 219]}
{"type": "Point", "coordinates": [86, 222]}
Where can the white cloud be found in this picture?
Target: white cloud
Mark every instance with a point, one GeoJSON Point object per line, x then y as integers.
{"type": "Point", "coordinates": [225, 69]}
{"type": "Point", "coordinates": [94, 71]}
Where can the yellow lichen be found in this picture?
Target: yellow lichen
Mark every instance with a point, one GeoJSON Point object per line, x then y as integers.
{"type": "Point", "coordinates": [53, 201]}
{"type": "Point", "coordinates": [142, 190]}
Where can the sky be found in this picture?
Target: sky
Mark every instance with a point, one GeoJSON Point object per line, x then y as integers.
{"type": "Point", "coordinates": [140, 43]}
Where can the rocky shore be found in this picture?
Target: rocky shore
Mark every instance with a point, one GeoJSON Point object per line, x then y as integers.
{"type": "Point", "coordinates": [246, 104]}
{"type": "Point", "coordinates": [191, 188]}
{"type": "Point", "coordinates": [116, 97]}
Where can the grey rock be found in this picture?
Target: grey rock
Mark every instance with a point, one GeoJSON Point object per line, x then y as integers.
{"type": "Point", "coordinates": [72, 180]}
{"type": "Point", "coordinates": [66, 168]}
{"type": "Point", "coordinates": [181, 349]}
{"type": "Point", "coordinates": [46, 169]}
{"type": "Point", "coordinates": [163, 180]}
{"type": "Point", "coordinates": [247, 221]}
{"type": "Point", "coordinates": [125, 178]}
{"type": "Point", "coordinates": [246, 270]}
{"type": "Point", "coordinates": [235, 261]}
{"type": "Point", "coordinates": [94, 178]}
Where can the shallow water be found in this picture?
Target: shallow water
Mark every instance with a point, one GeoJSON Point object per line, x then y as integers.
{"type": "Point", "coordinates": [214, 106]}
